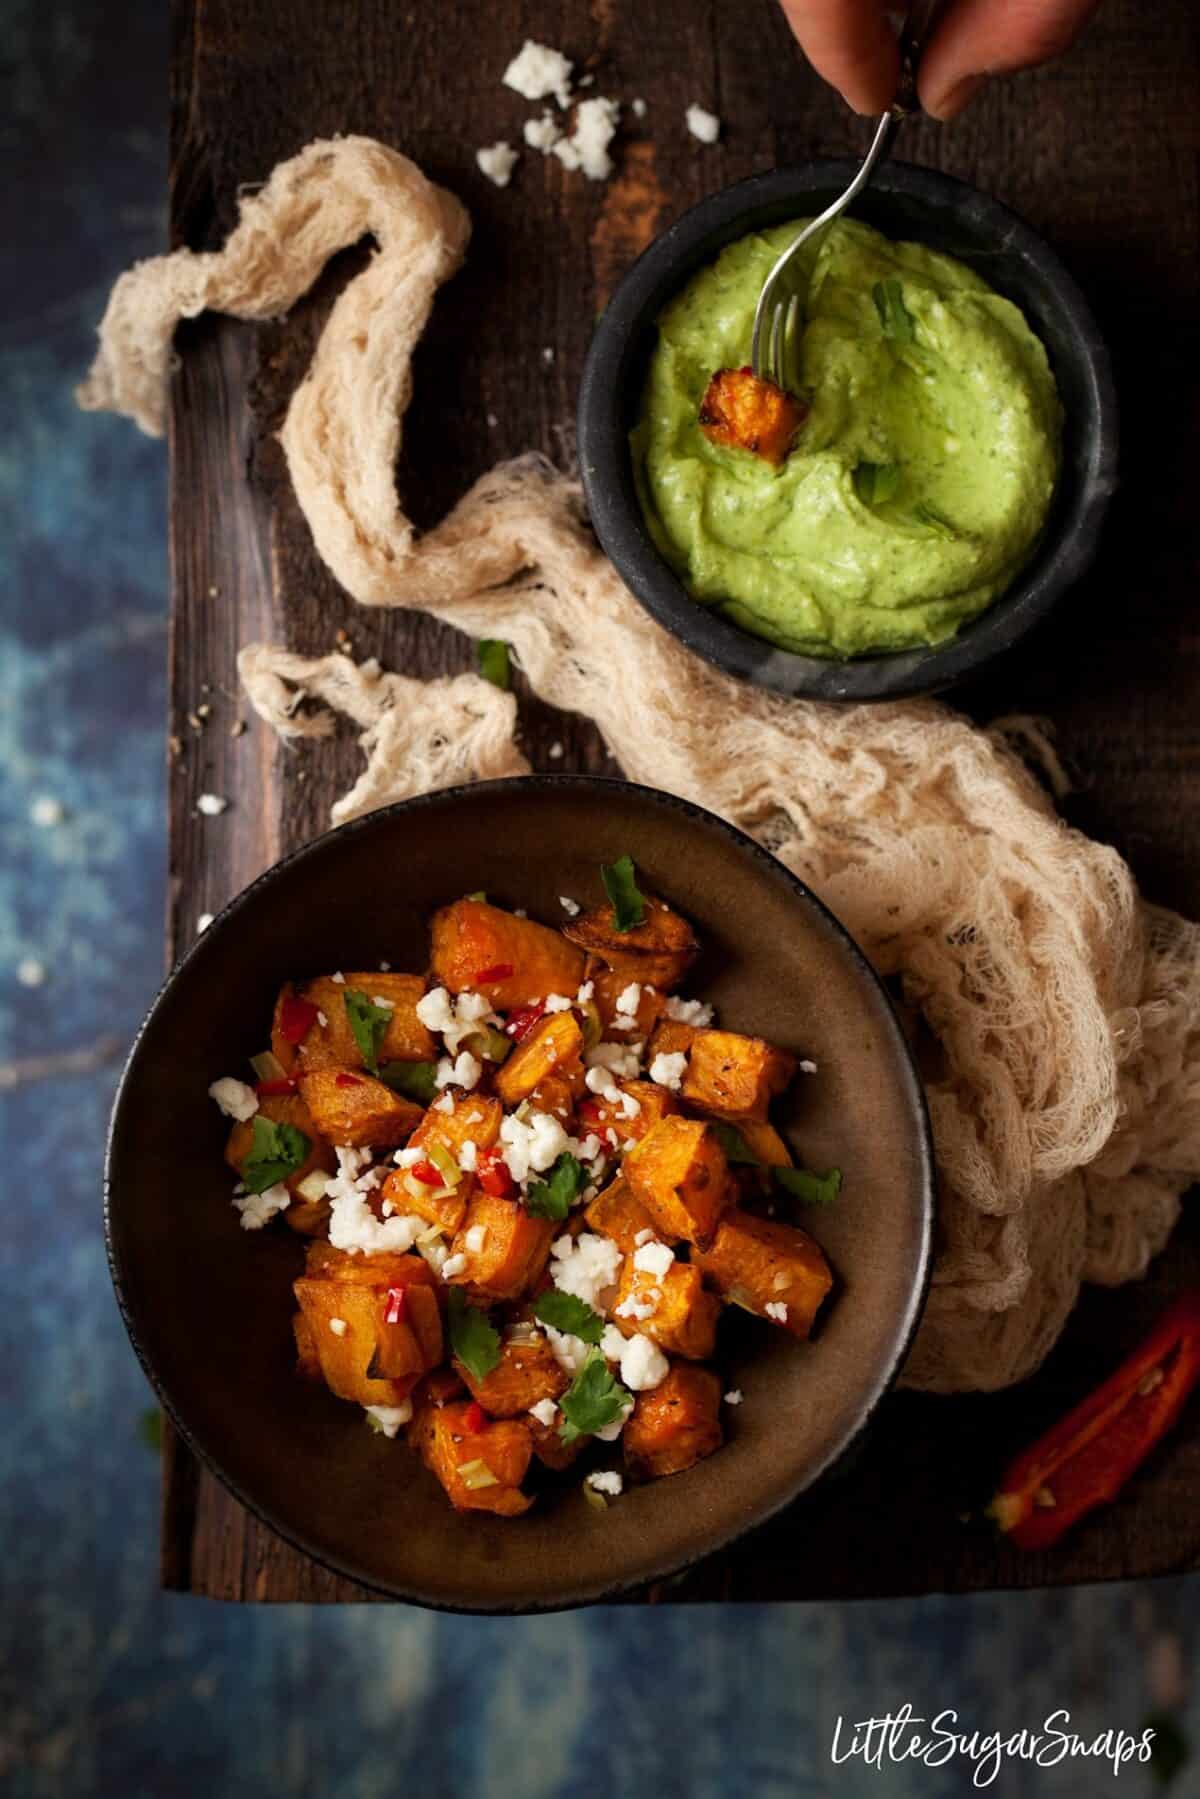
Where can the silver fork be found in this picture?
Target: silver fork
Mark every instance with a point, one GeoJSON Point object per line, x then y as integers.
{"type": "Point", "coordinates": [778, 307]}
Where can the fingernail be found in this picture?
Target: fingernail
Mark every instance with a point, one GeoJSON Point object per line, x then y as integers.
{"type": "Point", "coordinates": [960, 95]}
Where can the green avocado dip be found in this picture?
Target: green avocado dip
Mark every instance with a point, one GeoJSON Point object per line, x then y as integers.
{"type": "Point", "coordinates": [915, 488]}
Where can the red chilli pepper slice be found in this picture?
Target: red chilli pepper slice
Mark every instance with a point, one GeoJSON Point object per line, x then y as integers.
{"type": "Point", "coordinates": [475, 1418]}
{"type": "Point", "coordinates": [274, 1089]}
{"type": "Point", "coordinates": [499, 971]}
{"type": "Point", "coordinates": [428, 1174]}
{"type": "Point", "coordinates": [342, 1079]}
{"type": "Point", "coordinates": [491, 1171]}
{"type": "Point", "coordinates": [590, 1111]}
{"type": "Point", "coordinates": [522, 1021]}
{"type": "Point", "coordinates": [397, 1305]}
{"type": "Point", "coordinates": [296, 1019]}
{"type": "Point", "coordinates": [1083, 1461]}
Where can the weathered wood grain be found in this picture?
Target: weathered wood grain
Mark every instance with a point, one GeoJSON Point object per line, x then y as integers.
{"type": "Point", "coordinates": [1099, 153]}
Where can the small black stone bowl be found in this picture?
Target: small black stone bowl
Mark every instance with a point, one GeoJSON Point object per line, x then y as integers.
{"type": "Point", "coordinates": [906, 203]}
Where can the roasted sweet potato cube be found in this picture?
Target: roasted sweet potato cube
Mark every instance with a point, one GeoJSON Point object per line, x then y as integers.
{"type": "Point", "coordinates": [764, 1142]}
{"type": "Point", "coordinates": [675, 1424]}
{"type": "Point", "coordinates": [482, 949]}
{"type": "Point", "coordinates": [669, 1037]}
{"type": "Point", "coordinates": [514, 1248]}
{"type": "Point", "coordinates": [553, 1046]}
{"type": "Point", "coordinates": [352, 1108]}
{"type": "Point", "coordinates": [601, 1115]}
{"type": "Point", "coordinates": [412, 1342]}
{"type": "Point", "coordinates": [680, 1174]}
{"type": "Point", "coordinates": [343, 1319]}
{"type": "Point", "coordinates": [283, 1108]}
{"type": "Point", "coordinates": [655, 953]}
{"type": "Point", "coordinates": [757, 1262]}
{"type": "Point", "coordinates": [526, 1373]}
{"type": "Point", "coordinates": [308, 1364]}
{"type": "Point", "coordinates": [745, 412]}
{"type": "Point", "coordinates": [608, 988]}
{"type": "Point", "coordinates": [734, 1076]}
{"type": "Point", "coordinates": [329, 1041]}
{"type": "Point", "coordinates": [474, 1118]}
{"type": "Point", "coordinates": [557, 1095]}
{"type": "Point", "coordinates": [438, 1388]}
{"type": "Point", "coordinates": [325, 1262]}
{"type": "Point", "coordinates": [618, 1214]}
{"type": "Point", "coordinates": [549, 1447]}
{"type": "Point", "coordinates": [482, 1470]}
{"type": "Point", "coordinates": [682, 1316]}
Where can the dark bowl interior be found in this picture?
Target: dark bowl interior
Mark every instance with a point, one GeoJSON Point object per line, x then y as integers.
{"type": "Point", "coordinates": [208, 1306]}
{"type": "Point", "coordinates": [904, 203]}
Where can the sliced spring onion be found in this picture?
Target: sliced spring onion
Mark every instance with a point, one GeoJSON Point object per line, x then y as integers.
{"type": "Point", "coordinates": [738, 1296]}
{"type": "Point", "coordinates": [593, 1030]}
{"type": "Point", "coordinates": [268, 1067]}
{"type": "Point", "coordinates": [427, 1238]}
{"type": "Point", "coordinates": [314, 1186]}
{"type": "Point", "coordinates": [479, 895]}
{"type": "Point", "coordinates": [596, 1500]}
{"type": "Point", "coordinates": [489, 1044]}
{"type": "Point", "coordinates": [475, 1475]}
{"type": "Point", "coordinates": [445, 1164]}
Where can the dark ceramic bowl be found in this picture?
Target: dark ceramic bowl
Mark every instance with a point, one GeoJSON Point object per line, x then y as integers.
{"type": "Point", "coordinates": [902, 202]}
{"type": "Point", "coordinates": [208, 1306]}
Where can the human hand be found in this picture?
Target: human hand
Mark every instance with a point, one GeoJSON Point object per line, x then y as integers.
{"type": "Point", "coordinates": [852, 44]}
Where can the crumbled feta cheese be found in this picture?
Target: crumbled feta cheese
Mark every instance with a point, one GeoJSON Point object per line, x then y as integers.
{"type": "Point", "coordinates": [807, 1067]}
{"type": "Point", "coordinates": [630, 1105]}
{"type": "Point", "coordinates": [386, 1208]}
{"type": "Point", "coordinates": [45, 812]}
{"type": "Point", "coordinates": [612, 1431]}
{"type": "Point", "coordinates": [322, 1020]}
{"type": "Point", "coordinates": [537, 71]}
{"type": "Point", "coordinates": [211, 805]}
{"type": "Point", "coordinates": [734, 1396]}
{"type": "Point", "coordinates": [585, 993]}
{"type": "Point", "coordinates": [600, 1082]}
{"type": "Point", "coordinates": [453, 1265]}
{"type": "Point", "coordinates": [497, 161]}
{"type": "Point", "coordinates": [446, 1103]}
{"type": "Point", "coordinates": [775, 1308]}
{"type": "Point", "coordinates": [703, 124]}
{"type": "Point", "coordinates": [464, 1071]}
{"type": "Point", "coordinates": [643, 1364]}
{"type": "Point", "coordinates": [653, 1258]}
{"type": "Point", "coordinates": [338, 1326]}
{"type": "Point", "coordinates": [384, 1004]}
{"type": "Point", "coordinates": [435, 1010]}
{"type": "Point", "coordinates": [587, 146]}
{"type": "Point", "coordinates": [541, 134]}
{"type": "Point", "coordinates": [621, 1059]}
{"type": "Point", "coordinates": [558, 1002]}
{"type": "Point", "coordinates": [546, 1411]}
{"type": "Point", "coordinates": [469, 1008]}
{"type": "Point", "coordinates": [408, 1158]}
{"type": "Point", "coordinates": [475, 1238]}
{"type": "Point", "coordinates": [629, 998]}
{"type": "Point", "coordinates": [258, 1208]}
{"type": "Point", "coordinates": [468, 1156]}
{"type": "Point", "coordinates": [235, 1098]}
{"type": "Point", "coordinates": [434, 1252]}
{"type": "Point", "coordinates": [532, 1144]}
{"type": "Point", "coordinates": [605, 1482]}
{"type": "Point", "coordinates": [587, 1266]}
{"type": "Point", "coordinates": [353, 1226]}
{"type": "Point", "coordinates": [203, 922]}
{"type": "Point", "coordinates": [689, 1011]}
{"type": "Point", "coordinates": [668, 1069]}
{"type": "Point", "coordinates": [638, 108]}
{"type": "Point", "coordinates": [646, 1236]}
{"type": "Point", "coordinates": [569, 906]}
{"type": "Point", "coordinates": [630, 1143]}
{"type": "Point", "coordinates": [634, 1307]}
{"type": "Point", "coordinates": [339, 980]}
{"type": "Point", "coordinates": [586, 1148]}
{"type": "Point", "coordinates": [569, 1352]}
{"type": "Point", "coordinates": [31, 972]}
{"type": "Point", "coordinates": [389, 1418]}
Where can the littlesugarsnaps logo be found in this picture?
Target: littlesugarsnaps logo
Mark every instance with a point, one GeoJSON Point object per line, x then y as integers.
{"type": "Point", "coordinates": [904, 1736]}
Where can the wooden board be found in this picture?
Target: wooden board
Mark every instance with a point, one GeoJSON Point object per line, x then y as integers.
{"type": "Point", "coordinates": [1100, 154]}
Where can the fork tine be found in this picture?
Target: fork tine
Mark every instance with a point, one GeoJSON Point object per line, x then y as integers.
{"type": "Point", "coordinates": [775, 353]}
{"type": "Point", "coordinates": [788, 360]}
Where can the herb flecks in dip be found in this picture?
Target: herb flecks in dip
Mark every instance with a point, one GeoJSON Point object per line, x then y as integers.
{"type": "Point", "coordinates": [919, 480]}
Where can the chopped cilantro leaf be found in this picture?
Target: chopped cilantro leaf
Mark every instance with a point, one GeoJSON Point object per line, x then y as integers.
{"type": "Point", "coordinates": [620, 884]}
{"type": "Point", "coordinates": [592, 1401]}
{"type": "Point", "coordinates": [735, 1146]}
{"type": "Point", "coordinates": [552, 1198]}
{"type": "Point", "coordinates": [413, 1080]}
{"type": "Point", "coordinates": [472, 1339]}
{"type": "Point", "coordinates": [564, 1312]}
{"type": "Point", "coordinates": [894, 316]}
{"type": "Point", "coordinates": [369, 1024]}
{"type": "Point", "coordinates": [276, 1151]}
{"type": "Point", "coordinates": [810, 1189]}
{"type": "Point", "coordinates": [494, 661]}
{"type": "Point", "coordinates": [875, 482]}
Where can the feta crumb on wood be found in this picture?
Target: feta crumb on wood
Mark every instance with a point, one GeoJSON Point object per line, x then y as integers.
{"type": "Point", "coordinates": [703, 124]}
{"type": "Point", "coordinates": [541, 134]}
{"type": "Point", "coordinates": [497, 162]}
{"type": "Point", "coordinates": [536, 72]}
{"type": "Point", "coordinates": [587, 146]}
{"type": "Point", "coordinates": [211, 805]}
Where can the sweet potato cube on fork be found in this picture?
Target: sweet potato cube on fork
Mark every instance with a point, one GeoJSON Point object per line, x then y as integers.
{"type": "Point", "coordinates": [743, 411]}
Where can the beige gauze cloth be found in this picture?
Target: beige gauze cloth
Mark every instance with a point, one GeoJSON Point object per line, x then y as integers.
{"type": "Point", "coordinates": [1066, 1101]}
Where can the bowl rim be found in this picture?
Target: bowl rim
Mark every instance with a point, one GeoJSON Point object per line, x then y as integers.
{"type": "Point", "coordinates": [1058, 561]}
{"type": "Point", "coordinates": [905, 1325]}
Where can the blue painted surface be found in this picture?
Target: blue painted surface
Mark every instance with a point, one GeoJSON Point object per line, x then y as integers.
{"type": "Point", "coordinates": [108, 1686]}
